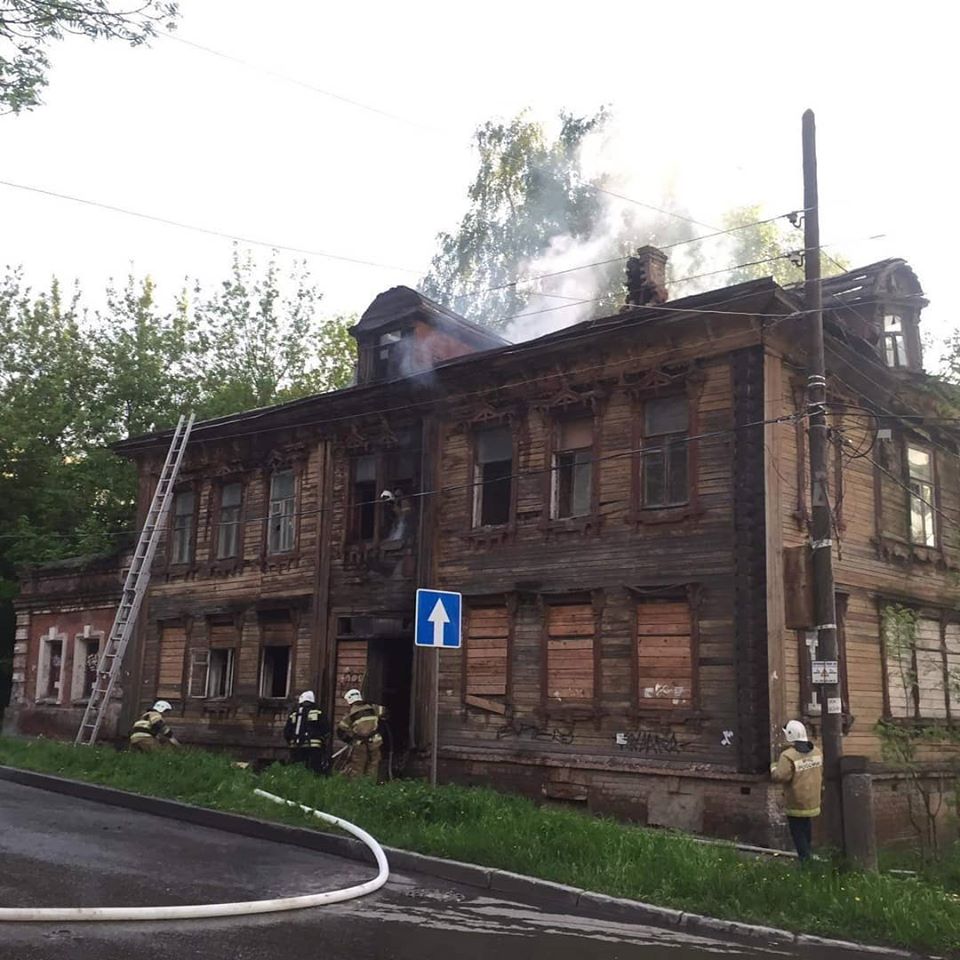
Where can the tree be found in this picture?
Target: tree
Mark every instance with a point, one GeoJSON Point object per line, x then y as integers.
{"type": "Point", "coordinates": [260, 340]}
{"type": "Point", "coordinates": [770, 249]}
{"type": "Point", "coordinates": [534, 210]}
{"type": "Point", "coordinates": [28, 27]}
{"type": "Point", "coordinates": [72, 382]}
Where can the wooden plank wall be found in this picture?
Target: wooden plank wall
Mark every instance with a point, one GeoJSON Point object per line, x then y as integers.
{"type": "Point", "coordinates": [873, 561]}
{"type": "Point", "coordinates": [538, 564]}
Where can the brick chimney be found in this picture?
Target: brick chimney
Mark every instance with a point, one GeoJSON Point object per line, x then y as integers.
{"type": "Point", "coordinates": [646, 277]}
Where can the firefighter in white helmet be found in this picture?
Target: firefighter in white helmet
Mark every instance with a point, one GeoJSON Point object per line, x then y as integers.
{"type": "Point", "coordinates": [359, 729]}
{"type": "Point", "coordinates": [306, 733]}
{"type": "Point", "coordinates": [151, 732]}
{"type": "Point", "coordinates": [800, 769]}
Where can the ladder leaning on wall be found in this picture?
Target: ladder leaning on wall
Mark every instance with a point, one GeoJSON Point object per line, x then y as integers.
{"type": "Point", "coordinates": [134, 589]}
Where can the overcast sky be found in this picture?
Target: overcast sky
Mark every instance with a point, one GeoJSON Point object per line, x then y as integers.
{"type": "Point", "coordinates": [708, 98]}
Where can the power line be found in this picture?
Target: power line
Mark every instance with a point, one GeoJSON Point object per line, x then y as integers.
{"type": "Point", "coordinates": [206, 230]}
{"type": "Point", "coordinates": [517, 476]}
{"type": "Point", "coordinates": [286, 78]}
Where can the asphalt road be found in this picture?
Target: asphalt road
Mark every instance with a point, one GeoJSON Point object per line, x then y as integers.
{"type": "Point", "coordinates": [59, 851]}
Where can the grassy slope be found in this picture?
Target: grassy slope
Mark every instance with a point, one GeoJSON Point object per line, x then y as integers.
{"type": "Point", "coordinates": [484, 827]}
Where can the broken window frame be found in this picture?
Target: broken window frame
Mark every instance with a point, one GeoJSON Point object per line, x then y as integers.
{"type": "Point", "coordinates": [570, 461]}
{"type": "Point", "coordinates": [267, 690]}
{"type": "Point", "coordinates": [947, 651]}
{"type": "Point", "coordinates": [386, 353]}
{"type": "Point", "coordinates": [482, 490]}
{"type": "Point", "coordinates": [375, 519]}
{"type": "Point", "coordinates": [226, 673]}
{"type": "Point", "coordinates": [281, 636]}
{"type": "Point", "coordinates": [922, 497]}
{"type": "Point", "coordinates": [282, 518]}
{"type": "Point", "coordinates": [183, 527]}
{"type": "Point", "coordinates": [895, 341]}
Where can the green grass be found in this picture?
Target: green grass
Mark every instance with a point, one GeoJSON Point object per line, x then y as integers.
{"type": "Point", "coordinates": [484, 827]}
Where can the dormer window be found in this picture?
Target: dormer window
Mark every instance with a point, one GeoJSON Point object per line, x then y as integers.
{"type": "Point", "coordinates": [386, 361]}
{"type": "Point", "coordinates": [894, 344]}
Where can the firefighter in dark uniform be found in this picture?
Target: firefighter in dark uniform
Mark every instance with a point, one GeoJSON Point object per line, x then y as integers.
{"type": "Point", "coordinates": [306, 734]}
{"type": "Point", "coordinates": [359, 729]}
{"type": "Point", "coordinates": [151, 732]}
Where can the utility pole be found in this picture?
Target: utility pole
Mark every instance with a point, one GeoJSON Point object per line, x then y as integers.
{"type": "Point", "coordinates": [825, 606]}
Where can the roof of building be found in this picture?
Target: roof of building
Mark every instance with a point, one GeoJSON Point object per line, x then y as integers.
{"type": "Point", "coordinates": [400, 303]}
{"type": "Point", "coordinates": [846, 289]}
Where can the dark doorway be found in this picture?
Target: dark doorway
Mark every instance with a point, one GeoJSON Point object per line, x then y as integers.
{"type": "Point", "coordinates": [389, 673]}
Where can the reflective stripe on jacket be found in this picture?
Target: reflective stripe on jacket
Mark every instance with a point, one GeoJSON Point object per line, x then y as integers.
{"type": "Point", "coordinates": [361, 724]}
{"type": "Point", "coordinates": [801, 772]}
{"type": "Point", "coordinates": [306, 727]}
{"type": "Point", "coordinates": [151, 724]}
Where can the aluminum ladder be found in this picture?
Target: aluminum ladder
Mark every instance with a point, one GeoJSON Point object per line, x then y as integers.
{"type": "Point", "coordinates": [134, 589]}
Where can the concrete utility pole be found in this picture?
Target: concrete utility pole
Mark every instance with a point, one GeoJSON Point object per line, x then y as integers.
{"type": "Point", "coordinates": [825, 606]}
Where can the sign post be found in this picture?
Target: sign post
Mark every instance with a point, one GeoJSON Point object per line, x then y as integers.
{"type": "Point", "coordinates": [437, 626]}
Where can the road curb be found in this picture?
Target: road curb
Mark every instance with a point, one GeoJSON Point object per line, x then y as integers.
{"type": "Point", "coordinates": [542, 892]}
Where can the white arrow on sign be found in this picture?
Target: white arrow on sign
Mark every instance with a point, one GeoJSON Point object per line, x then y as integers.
{"type": "Point", "coordinates": [438, 618]}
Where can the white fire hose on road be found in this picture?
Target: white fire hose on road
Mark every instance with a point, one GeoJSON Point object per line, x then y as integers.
{"type": "Point", "coordinates": [241, 908]}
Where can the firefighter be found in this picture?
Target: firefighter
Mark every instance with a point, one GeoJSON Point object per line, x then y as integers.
{"type": "Point", "coordinates": [151, 732]}
{"type": "Point", "coordinates": [800, 769]}
{"type": "Point", "coordinates": [306, 734]}
{"type": "Point", "coordinates": [359, 729]}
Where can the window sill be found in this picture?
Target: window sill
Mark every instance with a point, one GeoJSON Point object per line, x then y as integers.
{"type": "Point", "coordinates": [654, 515]}
{"type": "Point", "coordinates": [555, 526]}
{"type": "Point", "coordinates": [48, 702]}
{"type": "Point", "coordinates": [894, 548]}
{"type": "Point", "coordinates": [666, 713]}
{"type": "Point", "coordinates": [490, 536]}
{"type": "Point", "coordinates": [569, 711]}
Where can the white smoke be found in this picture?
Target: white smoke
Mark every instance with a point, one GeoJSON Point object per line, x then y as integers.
{"type": "Point", "coordinates": [578, 278]}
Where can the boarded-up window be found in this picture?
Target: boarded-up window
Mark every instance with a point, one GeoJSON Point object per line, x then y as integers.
{"type": "Point", "coordinates": [488, 629]}
{"type": "Point", "coordinates": [570, 638]}
{"type": "Point", "coordinates": [351, 672]}
{"type": "Point", "coordinates": [953, 667]}
{"type": "Point", "coordinates": [664, 654]}
{"type": "Point", "coordinates": [173, 644]}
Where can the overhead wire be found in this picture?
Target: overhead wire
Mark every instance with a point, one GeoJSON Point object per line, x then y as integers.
{"type": "Point", "coordinates": [655, 447]}
{"type": "Point", "coordinates": [196, 228]}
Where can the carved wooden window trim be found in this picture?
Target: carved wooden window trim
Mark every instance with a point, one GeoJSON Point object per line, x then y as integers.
{"type": "Point", "coordinates": [689, 383]}
{"type": "Point", "coordinates": [553, 421]}
{"type": "Point", "coordinates": [692, 595]}
{"type": "Point", "coordinates": [484, 703]}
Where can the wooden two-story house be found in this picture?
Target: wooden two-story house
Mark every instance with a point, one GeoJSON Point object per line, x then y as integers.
{"type": "Point", "coordinates": [623, 505]}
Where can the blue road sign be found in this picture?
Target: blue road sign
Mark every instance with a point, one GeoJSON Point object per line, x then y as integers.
{"type": "Point", "coordinates": [438, 619]}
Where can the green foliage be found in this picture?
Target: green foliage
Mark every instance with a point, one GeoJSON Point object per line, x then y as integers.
{"type": "Point", "coordinates": [30, 26]}
{"type": "Point", "coordinates": [73, 382]}
{"type": "Point", "coordinates": [480, 826]}
{"type": "Point", "coordinates": [530, 205]}
{"type": "Point", "coordinates": [765, 250]}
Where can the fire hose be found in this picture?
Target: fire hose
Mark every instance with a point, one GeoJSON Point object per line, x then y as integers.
{"type": "Point", "coordinates": [240, 908]}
